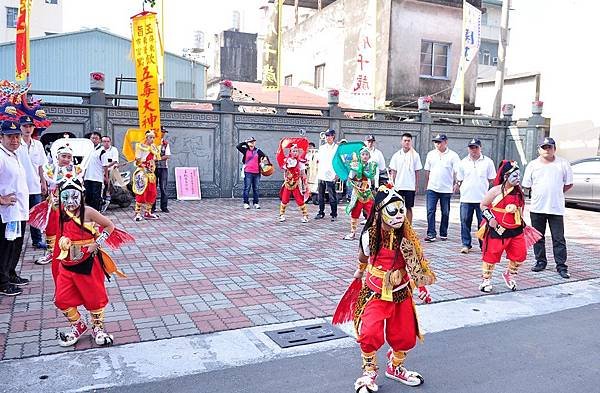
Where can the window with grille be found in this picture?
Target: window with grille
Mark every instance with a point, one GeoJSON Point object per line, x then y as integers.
{"type": "Point", "coordinates": [319, 76]}
{"type": "Point", "coordinates": [434, 59]}
{"type": "Point", "coordinates": [11, 17]}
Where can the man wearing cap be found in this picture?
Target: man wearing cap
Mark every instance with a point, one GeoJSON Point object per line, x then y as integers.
{"type": "Point", "coordinates": [404, 167]}
{"type": "Point", "coordinates": [252, 157]}
{"type": "Point", "coordinates": [14, 208]}
{"type": "Point", "coordinates": [473, 176]}
{"type": "Point", "coordinates": [162, 170]}
{"type": "Point", "coordinates": [549, 177]}
{"type": "Point", "coordinates": [326, 175]}
{"type": "Point", "coordinates": [377, 157]}
{"type": "Point", "coordinates": [440, 168]}
{"type": "Point", "coordinates": [36, 155]}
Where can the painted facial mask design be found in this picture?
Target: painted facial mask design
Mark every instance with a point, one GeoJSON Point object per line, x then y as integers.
{"type": "Point", "coordinates": [393, 214]}
{"type": "Point", "coordinates": [70, 199]}
{"type": "Point", "coordinates": [514, 178]}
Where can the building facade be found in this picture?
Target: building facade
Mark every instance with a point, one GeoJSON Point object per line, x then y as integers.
{"type": "Point", "coordinates": [46, 18]}
{"type": "Point", "coordinates": [417, 50]}
{"type": "Point", "coordinates": [490, 37]}
{"type": "Point", "coordinates": [63, 62]}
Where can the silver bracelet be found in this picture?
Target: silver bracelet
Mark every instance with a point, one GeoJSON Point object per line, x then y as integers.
{"type": "Point", "coordinates": [102, 238]}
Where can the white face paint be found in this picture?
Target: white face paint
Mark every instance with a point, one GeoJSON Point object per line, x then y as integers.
{"type": "Point", "coordinates": [514, 178]}
{"type": "Point", "coordinates": [393, 214]}
{"type": "Point", "coordinates": [70, 199]}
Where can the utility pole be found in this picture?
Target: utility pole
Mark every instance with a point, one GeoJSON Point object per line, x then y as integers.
{"type": "Point", "coordinates": [499, 84]}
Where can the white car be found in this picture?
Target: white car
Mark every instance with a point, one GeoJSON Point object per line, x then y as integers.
{"type": "Point", "coordinates": [586, 182]}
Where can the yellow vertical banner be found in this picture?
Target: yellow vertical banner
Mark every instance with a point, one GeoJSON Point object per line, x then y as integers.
{"type": "Point", "coordinates": [271, 73]}
{"type": "Point", "coordinates": [146, 57]}
{"type": "Point", "coordinates": [22, 41]}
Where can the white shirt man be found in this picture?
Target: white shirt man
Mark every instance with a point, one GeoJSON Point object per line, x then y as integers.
{"type": "Point", "coordinates": [377, 157]}
{"type": "Point", "coordinates": [473, 175]}
{"type": "Point", "coordinates": [326, 175]}
{"type": "Point", "coordinates": [14, 209]}
{"type": "Point", "coordinates": [549, 177]}
{"type": "Point", "coordinates": [441, 164]}
{"type": "Point", "coordinates": [403, 172]}
{"type": "Point", "coordinates": [94, 178]}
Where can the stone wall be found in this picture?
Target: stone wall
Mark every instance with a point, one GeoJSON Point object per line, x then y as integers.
{"type": "Point", "coordinates": [206, 139]}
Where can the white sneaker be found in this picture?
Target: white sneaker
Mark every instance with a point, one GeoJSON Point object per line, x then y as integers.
{"type": "Point", "coordinates": [281, 218]}
{"type": "Point", "coordinates": [46, 259]}
{"type": "Point", "coordinates": [101, 337]}
{"type": "Point", "coordinates": [486, 285]}
{"type": "Point", "coordinates": [256, 206]}
{"type": "Point", "coordinates": [304, 219]}
{"type": "Point", "coordinates": [363, 222]}
{"type": "Point", "coordinates": [138, 217]}
{"type": "Point", "coordinates": [246, 206]}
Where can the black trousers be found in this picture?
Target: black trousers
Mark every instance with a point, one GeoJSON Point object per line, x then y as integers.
{"type": "Point", "coordinates": [559, 244]}
{"type": "Point", "coordinates": [93, 193]}
{"type": "Point", "coordinates": [162, 176]}
{"type": "Point", "coordinates": [330, 185]}
{"type": "Point", "coordinates": [10, 253]}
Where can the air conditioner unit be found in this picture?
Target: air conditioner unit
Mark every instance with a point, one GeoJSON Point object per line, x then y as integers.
{"type": "Point", "coordinates": [494, 60]}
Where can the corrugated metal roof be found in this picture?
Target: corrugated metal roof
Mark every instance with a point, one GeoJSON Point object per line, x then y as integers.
{"type": "Point", "coordinates": [84, 31]}
{"type": "Point", "coordinates": [63, 62]}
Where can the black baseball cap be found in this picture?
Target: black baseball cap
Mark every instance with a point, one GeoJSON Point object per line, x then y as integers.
{"type": "Point", "coordinates": [370, 137]}
{"type": "Point", "coordinates": [25, 120]}
{"type": "Point", "coordinates": [547, 141]}
{"type": "Point", "coordinates": [330, 132]}
{"type": "Point", "coordinates": [474, 142]}
{"type": "Point", "coordinates": [439, 138]}
{"type": "Point", "coordinates": [10, 127]}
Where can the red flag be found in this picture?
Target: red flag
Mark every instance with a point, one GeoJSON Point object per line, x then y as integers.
{"type": "Point", "coordinates": [22, 41]}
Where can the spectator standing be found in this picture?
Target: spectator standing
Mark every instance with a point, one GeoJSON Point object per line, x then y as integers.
{"type": "Point", "coordinates": [94, 174]}
{"type": "Point", "coordinates": [326, 175]}
{"type": "Point", "coordinates": [109, 156]}
{"type": "Point", "coordinates": [377, 157]}
{"type": "Point", "coordinates": [95, 137]}
{"type": "Point", "coordinates": [14, 209]}
{"type": "Point", "coordinates": [252, 156]}
{"type": "Point", "coordinates": [404, 169]}
{"type": "Point", "coordinates": [440, 169]}
{"type": "Point", "coordinates": [473, 176]}
{"type": "Point", "coordinates": [36, 155]}
{"type": "Point", "coordinates": [162, 171]}
{"type": "Point", "coordinates": [549, 177]}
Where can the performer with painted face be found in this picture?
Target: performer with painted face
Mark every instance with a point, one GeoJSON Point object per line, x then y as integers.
{"type": "Point", "coordinates": [382, 306]}
{"type": "Point", "coordinates": [44, 216]}
{"type": "Point", "coordinates": [361, 177]}
{"type": "Point", "coordinates": [503, 229]}
{"type": "Point", "coordinates": [291, 156]}
{"type": "Point", "coordinates": [82, 262]}
{"type": "Point", "coordinates": [144, 179]}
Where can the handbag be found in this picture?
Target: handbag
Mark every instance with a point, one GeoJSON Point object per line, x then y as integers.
{"type": "Point", "coordinates": [267, 169]}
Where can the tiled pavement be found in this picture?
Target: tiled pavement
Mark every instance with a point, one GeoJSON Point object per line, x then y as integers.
{"type": "Point", "coordinates": [211, 265]}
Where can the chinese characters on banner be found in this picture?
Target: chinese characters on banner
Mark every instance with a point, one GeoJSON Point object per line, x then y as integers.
{"type": "Point", "coordinates": [272, 49]}
{"type": "Point", "coordinates": [471, 38]}
{"type": "Point", "coordinates": [187, 183]}
{"type": "Point", "coordinates": [22, 41]}
{"type": "Point", "coordinates": [146, 57]}
{"type": "Point", "coordinates": [363, 83]}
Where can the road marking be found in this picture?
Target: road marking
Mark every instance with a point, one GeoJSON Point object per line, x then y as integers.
{"type": "Point", "coordinates": [147, 361]}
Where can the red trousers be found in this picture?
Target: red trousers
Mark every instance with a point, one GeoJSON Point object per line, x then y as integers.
{"type": "Point", "coordinates": [149, 194]}
{"type": "Point", "coordinates": [396, 320]}
{"type": "Point", "coordinates": [286, 194]}
{"type": "Point", "coordinates": [360, 206]}
{"type": "Point", "coordinates": [74, 289]}
{"type": "Point", "coordinates": [515, 248]}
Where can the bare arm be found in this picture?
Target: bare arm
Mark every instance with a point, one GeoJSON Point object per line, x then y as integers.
{"type": "Point", "coordinates": [426, 178]}
{"type": "Point", "coordinates": [567, 187]}
{"type": "Point", "coordinates": [94, 215]}
{"type": "Point", "coordinates": [363, 260]}
{"type": "Point", "coordinates": [416, 180]}
{"type": "Point", "coordinates": [392, 176]}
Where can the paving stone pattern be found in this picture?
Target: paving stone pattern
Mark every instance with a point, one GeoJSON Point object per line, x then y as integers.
{"type": "Point", "coordinates": [211, 265]}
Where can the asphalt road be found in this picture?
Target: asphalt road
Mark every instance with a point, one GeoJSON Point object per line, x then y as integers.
{"type": "Point", "coordinates": [557, 352]}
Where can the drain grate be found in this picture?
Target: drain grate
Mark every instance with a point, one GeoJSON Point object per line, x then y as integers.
{"type": "Point", "coordinates": [302, 335]}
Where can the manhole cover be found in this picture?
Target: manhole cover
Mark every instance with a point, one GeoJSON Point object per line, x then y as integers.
{"type": "Point", "coordinates": [302, 335]}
